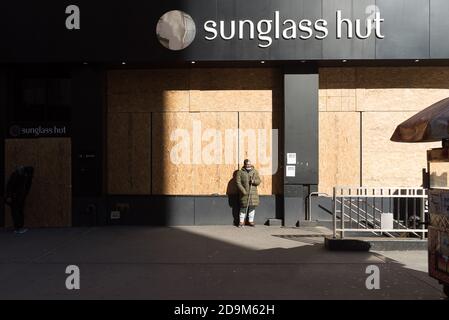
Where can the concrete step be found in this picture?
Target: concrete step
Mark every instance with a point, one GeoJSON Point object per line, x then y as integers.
{"type": "Point", "coordinates": [303, 223]}
{"type": "Point", "coordinates": [374, 244]}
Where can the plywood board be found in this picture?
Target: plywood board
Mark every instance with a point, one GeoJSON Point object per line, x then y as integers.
{"type": "Point", "coordinates": [55, 161]}
{"type": "Point", "coordinates": [145, 80]}
{"type": "Point", "coordinates": [339, 150]}
{"type": "Point", "coordinates": [129, 153]}
{"type": "Point", "coordinates": [232, 100]}
{"type": "Point", "coordinates": [118, 153]}
{"type": "Point", "coordinates": [241, 89]}
{"type": "Point", "coordinates": [172, 172]}
{"type": "Point", "coordinates": [387, 163]}
{"type": "Point", "coordinates": [401, 89]}
{"type": "Point", "coordinates": [152, 101]}
{"type": "Point", "coordinates": [58, 202]}
{"type": "Point", "coordinates": [260, 142]}
{"type": "Point", "coordinates": [403, 77]}
{"type": "Point", "coordinates": [235, 78]}
{"type": "Point", "coordinates": [337, 89]}
{"type": "Point", "coordinates": [148, 90]}
{"type": "Point", "coordinates": [141, 154]}
{"type": "Point", "coordinates": [49, 201]}
{"type": "Point", "coordinates": [398, 99]}
{"type": "Point", "coordinates": [332, 76]}
{"type": "Point", "coordinates": [215, 174]}
{"type": "Point", "coordinates": [382, 89]}
{"type": "Point", "coordinates": [188, 153]}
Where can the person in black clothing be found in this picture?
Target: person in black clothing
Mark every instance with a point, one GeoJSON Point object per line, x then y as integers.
{"type": "Point", "coordinates": [17, 189]}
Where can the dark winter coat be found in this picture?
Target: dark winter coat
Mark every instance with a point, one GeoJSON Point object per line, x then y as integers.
{"type": "Point", "coordinates": [242, 180]}
{"type": "Point", "coordinates": [19, 184]}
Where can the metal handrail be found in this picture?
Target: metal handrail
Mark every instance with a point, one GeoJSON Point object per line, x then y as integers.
{"type": "Point", "coordinates": [309, 201]}
{"type": "Point", "coordinates": [375, 220]}
{"type": "Point", "coordinates": [365, 226]}
{"type": "Point", "coordinates": [362, 194]}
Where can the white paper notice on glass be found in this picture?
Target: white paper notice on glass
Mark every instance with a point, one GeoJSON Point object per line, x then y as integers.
{"type": "Point", "coordinates": [291, 158]}
{"type": "Point", "coordinates": [291, 171]}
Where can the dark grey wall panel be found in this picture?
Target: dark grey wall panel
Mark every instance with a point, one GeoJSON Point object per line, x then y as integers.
{"type": "Point", "coordinates": [439, 27]}
{"type": "Point", "coordinates": [88, 92]}
{"type": "Point", "coordinates": [172, 210]}
{"type": "Point", "coordinates": [88, 212]}
{"type": "Point", "coordinates": [301, 139]}
{"type": "Point", "coordinates": [406, 29]}
{"type": "Point", "coordinates": [225, 210]}
{"type": "Point", "coordinates": [301, 126]}
{"type": "Point", "coordinates": [294, 204]}
{"type": "Point", "coordinates": [175, 211]}
{"type": "Point", "coordinates": [216, 210]}
{"type": "Point", "coordinates": [153, 210]}
{"type": "Point", "coordinates": [3, 102]}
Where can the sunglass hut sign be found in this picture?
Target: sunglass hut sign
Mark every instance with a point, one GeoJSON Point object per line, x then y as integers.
{"type": "Point", "coordinates": [176, 29]}
{"type": "Point", "coordinates": [268, 30]}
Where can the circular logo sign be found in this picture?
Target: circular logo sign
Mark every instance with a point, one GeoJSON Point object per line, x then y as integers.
{"type": "Point", "coordinates": [176, 30]}
{"type": "Point", "coordinates": [14, 131]}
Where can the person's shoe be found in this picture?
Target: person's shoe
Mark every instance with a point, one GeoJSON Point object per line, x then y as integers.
{"type": "Point", "coordinates": [241, 225]}
{"type": "Point", "coordinates": [20, 231]}
{"type": "Point", "coordinates": [251, 224]}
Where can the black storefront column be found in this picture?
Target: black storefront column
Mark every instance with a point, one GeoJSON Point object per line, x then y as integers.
{"type": "Point", "coordinates": [300, 141]}
{"type": "Point", "coordinates": [88, 132]}
{"type": "Point", "coordinates": [3, 103]}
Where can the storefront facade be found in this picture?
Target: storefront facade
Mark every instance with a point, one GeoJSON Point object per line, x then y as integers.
{"type": "Point", "coordinates": [125, 128]}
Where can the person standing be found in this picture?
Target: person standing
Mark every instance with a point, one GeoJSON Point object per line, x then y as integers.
{"type": "Point", "coordinates": [17, 189]}
{"type": "Point", "coordinates": [248, 180]}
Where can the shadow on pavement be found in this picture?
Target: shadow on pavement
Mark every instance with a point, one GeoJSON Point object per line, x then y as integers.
{"type": "Point", "coordinates": [174, 263]}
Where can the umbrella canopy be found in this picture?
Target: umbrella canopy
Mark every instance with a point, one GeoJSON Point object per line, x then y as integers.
{"type": "Point", "coordinates": [429, 125]}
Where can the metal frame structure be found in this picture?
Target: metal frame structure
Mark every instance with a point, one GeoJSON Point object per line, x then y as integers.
{"type": "Point", "coordinates": [362, 209]}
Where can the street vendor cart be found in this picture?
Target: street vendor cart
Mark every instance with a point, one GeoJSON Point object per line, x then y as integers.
{"type": "Point", "coordinates": [430, 125]}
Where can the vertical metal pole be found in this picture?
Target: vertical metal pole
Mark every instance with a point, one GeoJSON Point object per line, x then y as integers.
{"type": "Point", "coordinates": [415, 210]}
{"type": "Point", "coordinates": [390, 205]}
{"type": "Point", "coordinates": [373, 207]}
{"type": "Point", "coordinates": [358, 208]}
{"type": "Point", "coordinates": [309, 208]}
{"type": "Point", "coordinates": [350, 209]}
{"type": "Point", "coordinates": [342, 215]}
{"type": "Point", "coordinates": [382, 211]}
{"type": "Point", "coordinates": [399, 209]}
{"type": "Point", "coordinates": [406, 207]}
{"type": "Point", "coordinates": [366, 208]}
{"type": "Point", "coordinates": [423, 216]}
{"type": "Point", "coordinates": [334, 217]}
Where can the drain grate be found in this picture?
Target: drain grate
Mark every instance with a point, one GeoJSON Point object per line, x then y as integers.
{"type": "Point", "coordinates": [299, 236]}
{"type": "Point", "coordinates": [313, 239]}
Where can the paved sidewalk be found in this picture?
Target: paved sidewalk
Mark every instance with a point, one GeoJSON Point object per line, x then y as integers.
{"type": "Point", "coordinates": [211, 262]}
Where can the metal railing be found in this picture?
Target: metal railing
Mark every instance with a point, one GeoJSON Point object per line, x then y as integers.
{"type": "Point", "coordinates": [380, 211]}
{"type": "Point", "coordinates": [309, 203]}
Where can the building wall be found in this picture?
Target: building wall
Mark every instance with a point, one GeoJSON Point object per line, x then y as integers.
{"type": "Point", "coordinates": [49, 203]}
{"type": "Point", "coordinates": [169, 130]}
{"type": "Point", "coordinates": [359, 110]}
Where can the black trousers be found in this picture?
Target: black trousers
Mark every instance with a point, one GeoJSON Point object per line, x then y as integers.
{"type": "Point", "coordinates": [17, 212]}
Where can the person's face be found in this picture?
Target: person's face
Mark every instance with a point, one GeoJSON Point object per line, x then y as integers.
{"type": "Point", "coordinates": [248, 165]}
